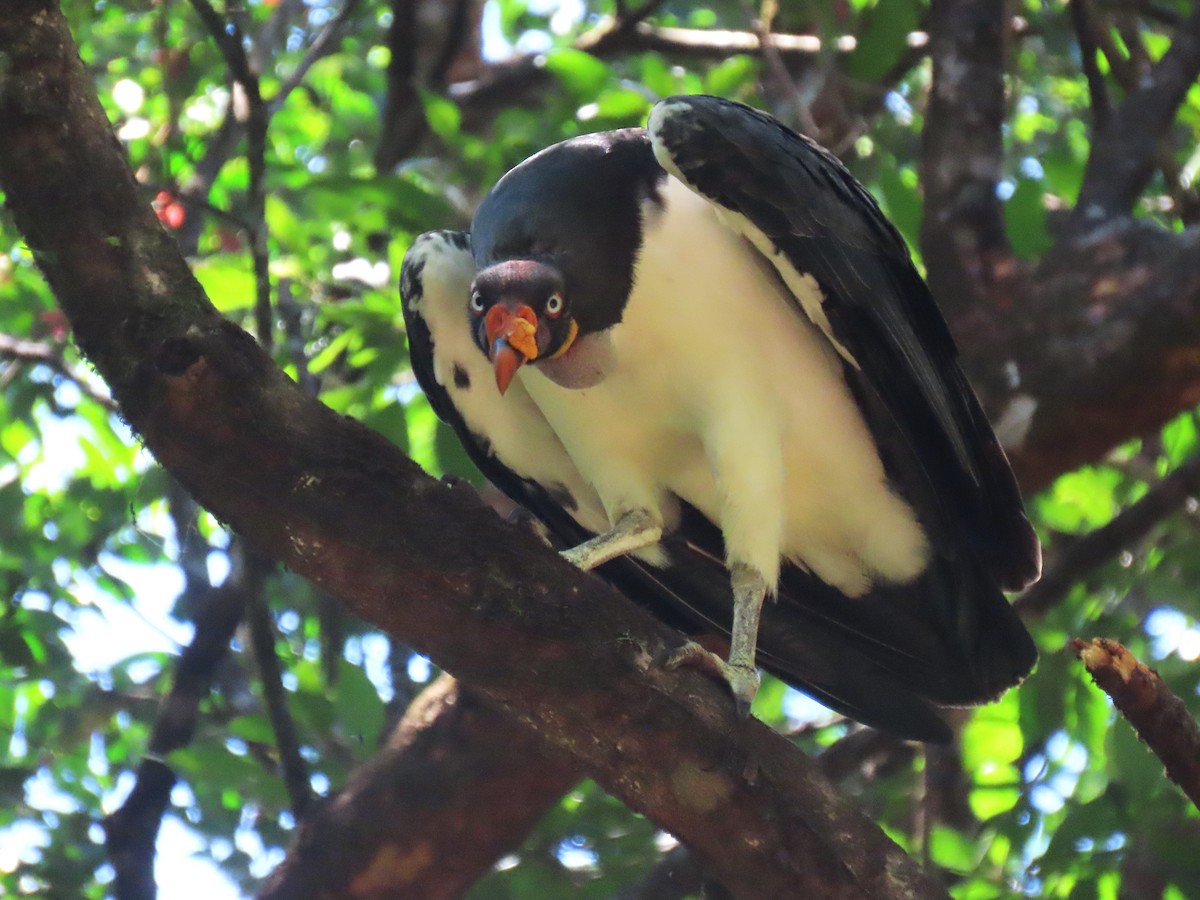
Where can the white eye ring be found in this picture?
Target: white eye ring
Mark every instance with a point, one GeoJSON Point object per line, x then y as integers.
{"type": "Point", "coordinates": [554, 304]}
{"type": "Point", "coordinates": [477, 302]}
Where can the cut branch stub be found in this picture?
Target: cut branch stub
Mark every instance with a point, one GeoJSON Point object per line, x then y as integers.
{"type": "Point", "coordinates": [1159, 717]}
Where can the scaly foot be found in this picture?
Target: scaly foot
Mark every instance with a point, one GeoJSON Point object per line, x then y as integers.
{"type": "Point", "coordinates": [633, 531]}
{"type": "Point", "coordinates": [742, 680]}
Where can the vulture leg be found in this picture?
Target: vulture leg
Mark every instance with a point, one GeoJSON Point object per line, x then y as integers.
{"type": "Point", "coordinates": [634, 530]}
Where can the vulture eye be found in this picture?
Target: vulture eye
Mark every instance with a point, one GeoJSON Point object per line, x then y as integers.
{"type": "Point", "coordinates": [477, 302]}
{"type": "Point", "coordinates": [554, 304]}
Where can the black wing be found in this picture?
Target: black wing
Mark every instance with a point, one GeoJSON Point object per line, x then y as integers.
{"type": "Point", "coordinates": [951, 636]}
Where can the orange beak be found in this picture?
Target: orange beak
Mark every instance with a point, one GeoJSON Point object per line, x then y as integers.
{"type": "Point", "coordinates": [512, 337]}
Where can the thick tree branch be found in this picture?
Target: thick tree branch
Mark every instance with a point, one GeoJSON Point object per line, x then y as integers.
{"type": "Point", "coordinates": [427, 43]}
{"type": "Point", "coordinates": [408, 824]}
{"type": "Point", "coordinates": [1159, 717]}
{"type": "Point", "coordinates": [1061, 352]}
{"type": "Point", "coordinates": [452, 756]}
{"type": "Point", "coordinates": [403, 115]}
{"type": "Point", "coordinates": [1127, 152]}
{"type": "Point", "coordinates": [559, 649]}
{"type": "Point", "coordinates": [962, 233]}
{"type": "Point", "coordinates": [676, 876]}
{"type": "Point", "coordinates": [1094, 346]}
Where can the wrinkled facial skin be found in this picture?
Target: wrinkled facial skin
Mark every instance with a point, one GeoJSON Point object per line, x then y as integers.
{"type": "Point", "coordinates": [519, 313]}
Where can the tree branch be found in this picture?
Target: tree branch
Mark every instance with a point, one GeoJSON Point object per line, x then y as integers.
{"type": "Point", "coordinates": [449, 756]}
{"type": "Point", "coordinates": [257, 118]}
{"type": "Point", "coordinates": [1126, 154]}
{"type": "Point", "coordinates": [561, 650]}
{"type": "Point", "coordinates": [1064, 356]}
{"type": "Point", "coordinates": [20, 351]}
{"type": "Point", "coordinates": [1101, 546]}
{"type": "Point", "coordinates": [131, 831]}
{"type": "Point", "coordinates": [962, 233]}
{"type": "Point", "coordinates": [221, 146]}
{"type": "Point", "coordinates": [270, 676]}
{"type": "Point", "coordinates": [1158, 716]}
{"type": "Point", "coordinates": [323, 44]}
{"type": "Point", "coordinates": [425, 49]}
{"type": "Point", "coordinates": [508, 82]}
{"type": "Point", "coordinates": [1085, 34]}
{"type": "Point", "coordinates": [778, 76]}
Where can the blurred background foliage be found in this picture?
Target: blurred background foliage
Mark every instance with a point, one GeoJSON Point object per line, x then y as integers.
{"type": "Point", "coordinates": [106, 563]}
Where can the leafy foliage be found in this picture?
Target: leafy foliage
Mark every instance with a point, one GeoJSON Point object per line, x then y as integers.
{"type": "Point", "coordinates": [106, 565]}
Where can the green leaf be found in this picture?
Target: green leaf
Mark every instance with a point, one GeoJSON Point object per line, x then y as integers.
{"type": "Point", "coordinates": [227, 280]}
{"type": "Point", "coordinates": [997, 789]}
{"type": "Point", "coordinates": [580, 73]}
{"type": "Point", "coordinates": [622, 105]}
{"type": "Point", "coordinates": [1132, 764]}
{"type": "Point", "coordinates": [442, 114]}
{"type": "Point", "coordinates": [993, 737]}
{"type": "Point", "coordinates": [1082, 500]}
{"type": "Point", "coordinates": [731, 77]}
{"type": "Point", "coordinates": [359, 707]}
{"type": "Point", "coordinates": [902, 201]}
{"type": "Point", "coordinates": [884, 40]}
{"type": "Point", "coordinates": [255, 728]}
{"type": "Point", "coordinates": [953, 850]}
{"type": "Point", "coordinates": [1179, 438]}
{"type": "Point", "coordinates": [1025, 219]}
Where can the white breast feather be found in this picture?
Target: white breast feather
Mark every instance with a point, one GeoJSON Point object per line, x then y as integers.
{"type": "Point", "coordinates": [519, 434]}
{"type": "Point", "coordinates": [722, 394]}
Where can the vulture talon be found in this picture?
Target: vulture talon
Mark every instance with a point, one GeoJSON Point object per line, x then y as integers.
{"type": "Point", "coordinates": [742, 681]}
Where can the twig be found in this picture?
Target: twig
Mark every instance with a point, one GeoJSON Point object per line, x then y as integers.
{"type": "Point", "coordinates": [221, 146]}
{"type": "Point", "coordinates": [1159, 717]}
{"type": "Point", "coordinates": [274, 31]}
{"type": "Point", "coordinates": [20, 350]}
{"type": "Point", "coordinates": [863, 750]}
{"type": "Point", "coordinates": [291, 315]}
{"type": "Point", "coordinates": [761, 25]}
{"type": "Point", "coordinates": [1081, 18]}
{"type": "Point", "coordinates": [713, 43]}
{"type": "Point", "coordinates": [404, 122]}
{"type": "Point", "coordinates": [198, 202]}
{"type": "Point", "coordinates": [628, 19]}
{"type": "Point", "coordinates": [505, 82]}
{"type": "Point", "coordinates": [1121, 164]}
{"type": "Point", "coordinates": [262, 641]}
{"type": "Point", "coordinates": [1100, 546]}
{"type": "Point", "coordinates": [229, 41]}
{"type": "Point", "coordinates": [323, 44]}
{"type": "Point", "coordinates": [131, 831]}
